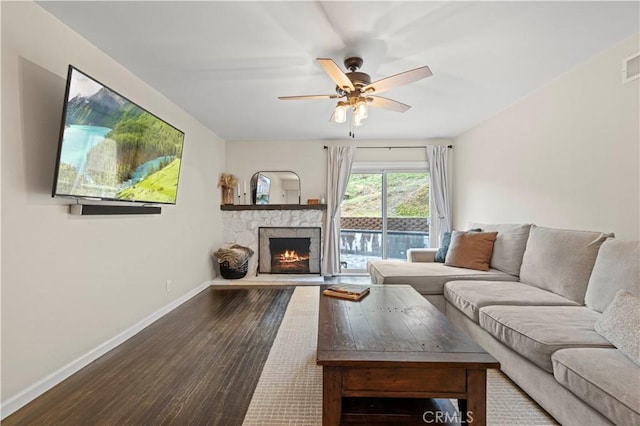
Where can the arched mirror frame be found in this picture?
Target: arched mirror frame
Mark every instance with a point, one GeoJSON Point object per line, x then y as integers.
{"type": "Point", "coordinates": [283, 187]}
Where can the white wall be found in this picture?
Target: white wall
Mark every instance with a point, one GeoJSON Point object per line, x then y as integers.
{"type": "Point", "coordinates": [565, 156]}
{"type": "Point", "coordinates": [70, 283]}
{"type": "Point", "coordinates": [309, 159]}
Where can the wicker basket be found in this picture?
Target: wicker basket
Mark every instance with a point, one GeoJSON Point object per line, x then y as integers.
{"type": "Point", "coordinates": [233, 274]}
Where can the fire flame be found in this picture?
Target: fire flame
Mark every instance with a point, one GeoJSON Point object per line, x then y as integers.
{"type": "Point", "coordinates": [290, 256]}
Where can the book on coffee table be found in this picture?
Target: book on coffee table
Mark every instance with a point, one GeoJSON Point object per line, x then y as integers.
{"type": "Point", "coordinates": [347, 291]}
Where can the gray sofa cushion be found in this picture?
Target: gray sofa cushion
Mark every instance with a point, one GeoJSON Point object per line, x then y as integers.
{"type": "Point", "coordinates": [560, 260]}
{"type": "Point", "coordinates": [536, 332]}
{"type": "Point", "coordinates": [617, 267]}
{"type": "Point", "coordinates": [603, 378]}
{"type": "Point", "coordinates": [470, 296]}
{"type": "Point", "coordinates": [427, 278]}
{"type": "Point", "coordinates": [509, 247]}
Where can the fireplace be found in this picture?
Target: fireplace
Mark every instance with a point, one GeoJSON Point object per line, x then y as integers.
{"type": "Point", "coordinates": [289, 255]}
{"type": "Point", "coordinates": [289, 250]}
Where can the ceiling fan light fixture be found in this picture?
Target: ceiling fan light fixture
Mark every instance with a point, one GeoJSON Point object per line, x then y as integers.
{"type": "Point", "coordinates": [362, 109]}
{"type": "Point", "coordinates": [340, 113]}
{"type": "Point", "coordinates": [357, 119]}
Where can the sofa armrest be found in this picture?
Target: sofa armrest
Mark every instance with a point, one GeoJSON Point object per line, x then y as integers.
{"type": "Point", "coordinates": [421, 254]}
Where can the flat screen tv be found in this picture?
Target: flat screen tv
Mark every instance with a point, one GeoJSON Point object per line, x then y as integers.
{"type": "Point", "coordinates": [112, 149]}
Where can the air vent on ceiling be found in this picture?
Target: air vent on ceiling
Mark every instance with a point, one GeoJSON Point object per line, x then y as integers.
{"type": "Point", "coordinates": [631, 67]}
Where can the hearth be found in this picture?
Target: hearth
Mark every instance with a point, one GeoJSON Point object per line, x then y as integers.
{"type": "Point", "coordinates": [290, 250]}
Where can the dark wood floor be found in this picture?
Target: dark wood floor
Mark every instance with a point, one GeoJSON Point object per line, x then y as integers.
{"type": "Point", "coordinates": [198, 364]}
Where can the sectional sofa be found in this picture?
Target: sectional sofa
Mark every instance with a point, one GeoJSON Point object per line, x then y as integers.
{"type": "Point", "coordinates": [558, 308]}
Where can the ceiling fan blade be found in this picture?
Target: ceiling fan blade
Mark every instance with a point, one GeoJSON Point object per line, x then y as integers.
{"type": "Point", "coordinates": [307, 97]}
{"type": "Point", "coordinates": [396, 80]}
{"type": "Point", "coordinates": [389, 104]}
{"type": "Point", "coordinates": [337, 75]}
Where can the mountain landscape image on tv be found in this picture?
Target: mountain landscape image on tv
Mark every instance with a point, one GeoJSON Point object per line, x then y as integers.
{"type": "Point", "coordinates": [112, 149]}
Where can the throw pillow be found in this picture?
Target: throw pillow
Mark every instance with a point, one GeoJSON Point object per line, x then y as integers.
{"type": "Point", "coordinates": [441, 254]}
{"type": "Point", "coordinates": [620, 324]}
{"type": "Point", "coordinates": [471, 250]}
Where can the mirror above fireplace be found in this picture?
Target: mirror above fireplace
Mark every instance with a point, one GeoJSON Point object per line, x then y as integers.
{"type": "Point", "coordinates": [275, 187]}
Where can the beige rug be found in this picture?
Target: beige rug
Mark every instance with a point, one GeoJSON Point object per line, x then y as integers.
{"type": "Point", "coordinates": [289, 391]}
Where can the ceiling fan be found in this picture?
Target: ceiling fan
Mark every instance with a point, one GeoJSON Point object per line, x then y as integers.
{"type": "Point", "coordinates": [357, 90]}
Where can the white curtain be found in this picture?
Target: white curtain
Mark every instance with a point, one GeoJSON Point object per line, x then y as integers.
{"type": "Point", "coordinates": [437, 156]}
{"type": "Point", "coordinates": [339, 161]}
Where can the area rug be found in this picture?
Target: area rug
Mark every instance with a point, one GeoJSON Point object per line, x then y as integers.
{"type": "Point", "coordinates": [289, 391]}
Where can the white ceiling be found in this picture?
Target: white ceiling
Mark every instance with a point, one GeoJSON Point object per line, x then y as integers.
{"type": "Point", "coordinates": [227, 62]}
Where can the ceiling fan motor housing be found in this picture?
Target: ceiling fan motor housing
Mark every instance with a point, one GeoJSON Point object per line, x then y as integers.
{"type": "Point", "coordinates": [358, 79]}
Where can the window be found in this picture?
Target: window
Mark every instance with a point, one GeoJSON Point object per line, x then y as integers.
{"type": "Point", "coordinates": [385, 212]}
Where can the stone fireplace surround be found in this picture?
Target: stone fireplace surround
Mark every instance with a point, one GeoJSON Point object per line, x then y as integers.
{"type": "Point", "coordinates": [241, 226]}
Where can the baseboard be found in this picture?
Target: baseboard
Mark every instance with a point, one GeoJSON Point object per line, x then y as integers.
{"type": "Point", "coordinates": [32, 392]}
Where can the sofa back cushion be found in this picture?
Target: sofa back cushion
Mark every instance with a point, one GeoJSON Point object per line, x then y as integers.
{"type": "Point", "coordinates": [561, 260]}
{"type": "Point", "coordinates": [470, 250]}
{"type": "Point", "coordinates": [509, 246]}
{"type": "Point", "coordinates": [617, 267]}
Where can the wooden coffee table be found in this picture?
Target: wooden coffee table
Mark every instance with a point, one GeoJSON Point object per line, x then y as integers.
{"type": "Point", "coordinates": [395, 344]}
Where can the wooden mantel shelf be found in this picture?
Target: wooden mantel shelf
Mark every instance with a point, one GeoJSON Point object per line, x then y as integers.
{"type": "Point", "coordinates": [232, 207]}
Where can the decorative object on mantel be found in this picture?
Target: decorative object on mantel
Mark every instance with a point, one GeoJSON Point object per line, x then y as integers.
{"type": "Point", "coordinates": [227, 182]}
{"type": "Point", "coordinates": [233, 261]}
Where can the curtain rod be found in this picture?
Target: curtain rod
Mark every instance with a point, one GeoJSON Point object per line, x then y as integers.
{"type": "Point", "coordinates": [390, 147]}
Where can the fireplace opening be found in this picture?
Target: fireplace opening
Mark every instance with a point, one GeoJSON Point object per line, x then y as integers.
{"type": "Point", "coordinates": [289, 250]}
{"type": "Point", "coordinates": [290, 255]}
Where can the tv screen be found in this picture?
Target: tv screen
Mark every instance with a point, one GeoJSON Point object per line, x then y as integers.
{"type": "Point", "coordinates": [112, 149]}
